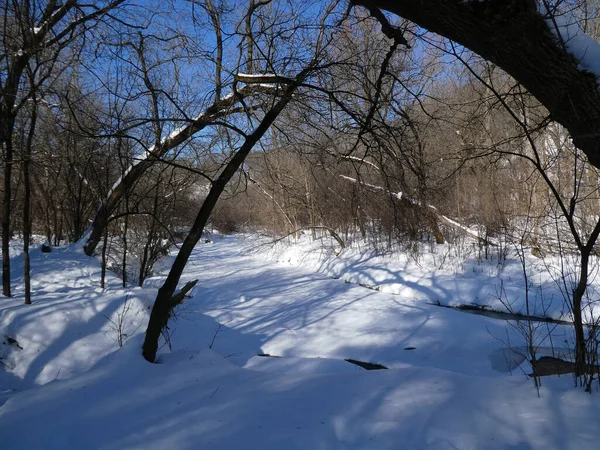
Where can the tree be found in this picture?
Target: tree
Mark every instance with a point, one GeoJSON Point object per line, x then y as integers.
{"type": "Point", "coordinates": [31, 28]}
{"type": "Point", "coordinates": [534, 43]}
{"type": "Point", "coordinates": [286, 87]}
{"type": "Point", "coordinates": [570, 194]}
{"type": "Point", "coordinates": [522, 39]}
{"type": "Point", "coordinates": [183, 124]}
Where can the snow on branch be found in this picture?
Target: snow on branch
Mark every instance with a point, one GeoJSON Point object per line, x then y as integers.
{"type": "Point", "coordinates": [444, 219]}
{"type": "Point", "coordinates": [568, 31]}
{"type": "Point", "coordinates": [373, 187]}
{"type": "Point", "coordinates": [361, 161]}
{"type": "Point", "coordinates": [270, 78]}
{"type": "Point", "coordinates": [217, 110]}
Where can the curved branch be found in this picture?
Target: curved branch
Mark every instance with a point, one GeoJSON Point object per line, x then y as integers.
{"type": "Point", "coordinates": [515, 36]}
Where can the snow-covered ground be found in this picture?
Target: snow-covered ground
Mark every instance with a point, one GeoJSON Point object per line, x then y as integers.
{"type": "Point", "coordinates": [453, 382]}
{"type": "Point", "coordinates": [451, 275]}
{"type": "Point", "coordinates": [66, 330]}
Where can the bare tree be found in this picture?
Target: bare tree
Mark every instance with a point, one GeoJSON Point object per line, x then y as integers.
{"type": "Point", "coordinates": [286, 88]}
{"type": "Point", "coordinates": [30, 28]}
{"type": "Point", "coordinates": [529, 50]}
{"type": "Point", "coordinates": [222, 107]}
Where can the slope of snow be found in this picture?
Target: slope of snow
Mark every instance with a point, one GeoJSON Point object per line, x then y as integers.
{"type": "Point", "coordinates": [67, 329]}
{"type": "Point", "coordinates": [442, 274]}
{"type": "Point", "coordinates": [200, 400]}
{"type": "Point", "coordinates": [452, 383]}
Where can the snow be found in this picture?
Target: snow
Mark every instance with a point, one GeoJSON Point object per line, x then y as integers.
{"type": "Point", "coordinates": [66, 330]}
{"type": "Point", "coordinates": [257, 75]}
{"type": "Point", "coordinates": [398, 195]}
{"type": "Point", "coordinates": [361, 161]}
{"type": "Point", "coordinates": [38, 29]}
{"type": "Point", "coordinates": [451, 275]}
{"type": "Point", "coordinates": [452, 381]}
{"type": "Point", "coordinates": [585, 49]}
{"type": "Point", "coordinates": [267, 85]}
{"type": "Point", "coordinates": [206, 402]}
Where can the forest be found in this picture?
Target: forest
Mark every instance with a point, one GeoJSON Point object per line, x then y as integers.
{"type": "Point", "coordinates": [142, 134]}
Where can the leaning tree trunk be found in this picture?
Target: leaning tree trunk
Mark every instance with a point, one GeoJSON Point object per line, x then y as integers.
{"type": "Point", "coordinates": [164, 303]}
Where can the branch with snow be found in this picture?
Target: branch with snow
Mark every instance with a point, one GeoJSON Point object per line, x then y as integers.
{"type": "Point", "coordinates": [258, 78]}
{"type": "Point", "coordinates": [444, 219]}
{"type": "Point", "coordinates": [570, 34]}
{"type": "Point", "coordinates": [217, 110]}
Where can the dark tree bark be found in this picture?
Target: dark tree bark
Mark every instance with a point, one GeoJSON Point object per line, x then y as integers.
{"type": "Point", "coordinates": [27, 205]}
{"type": "Point", "coordinates": [125, 241]}
{"type": "Point", "coordinates": [6, 129]}
{"type": "Point", "coordinates": [585, 251]}
{"type": "Point", "coordinates": [513, 35]}
{"type": "Point", "coordinates": [8, 113]}
{"type": "Point", "coordinates": [215, 18]}
{"type": "Point", "coordinates": [103, 269]}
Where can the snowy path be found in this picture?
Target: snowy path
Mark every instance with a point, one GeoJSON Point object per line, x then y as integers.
{"type": "Point", "coordinates": [293, 312]}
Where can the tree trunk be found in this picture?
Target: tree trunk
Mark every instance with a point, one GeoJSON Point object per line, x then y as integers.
{"type": "Point", "coordinates": [125, 231]}
{"type": "Point", "coordinates": [8, 98]}
{"type": "Point", "coordinates": [163, 304]}
{"type": "Point", "coordinates": [27, 206]}
{"type": "Point", "coordinates": [578, 293]}
{"type": "Point", "coordinates": [7, 124]}
{"type": "Point", "coordinates": [103, 269]}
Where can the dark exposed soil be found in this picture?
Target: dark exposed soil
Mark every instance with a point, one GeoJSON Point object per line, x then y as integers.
{"type": "Point", "coordinates": [366, 365]}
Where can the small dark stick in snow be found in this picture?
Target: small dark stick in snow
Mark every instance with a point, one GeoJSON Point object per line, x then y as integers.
{"type": "Point", "coordinates": [213, 394]}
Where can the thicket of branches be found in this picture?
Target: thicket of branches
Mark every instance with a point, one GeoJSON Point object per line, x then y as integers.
{"type": "Point", "coordinates": [123, 124]}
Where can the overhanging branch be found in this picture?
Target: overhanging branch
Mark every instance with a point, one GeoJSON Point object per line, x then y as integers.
{"type": "Point", "coordinates": [516, 37]}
